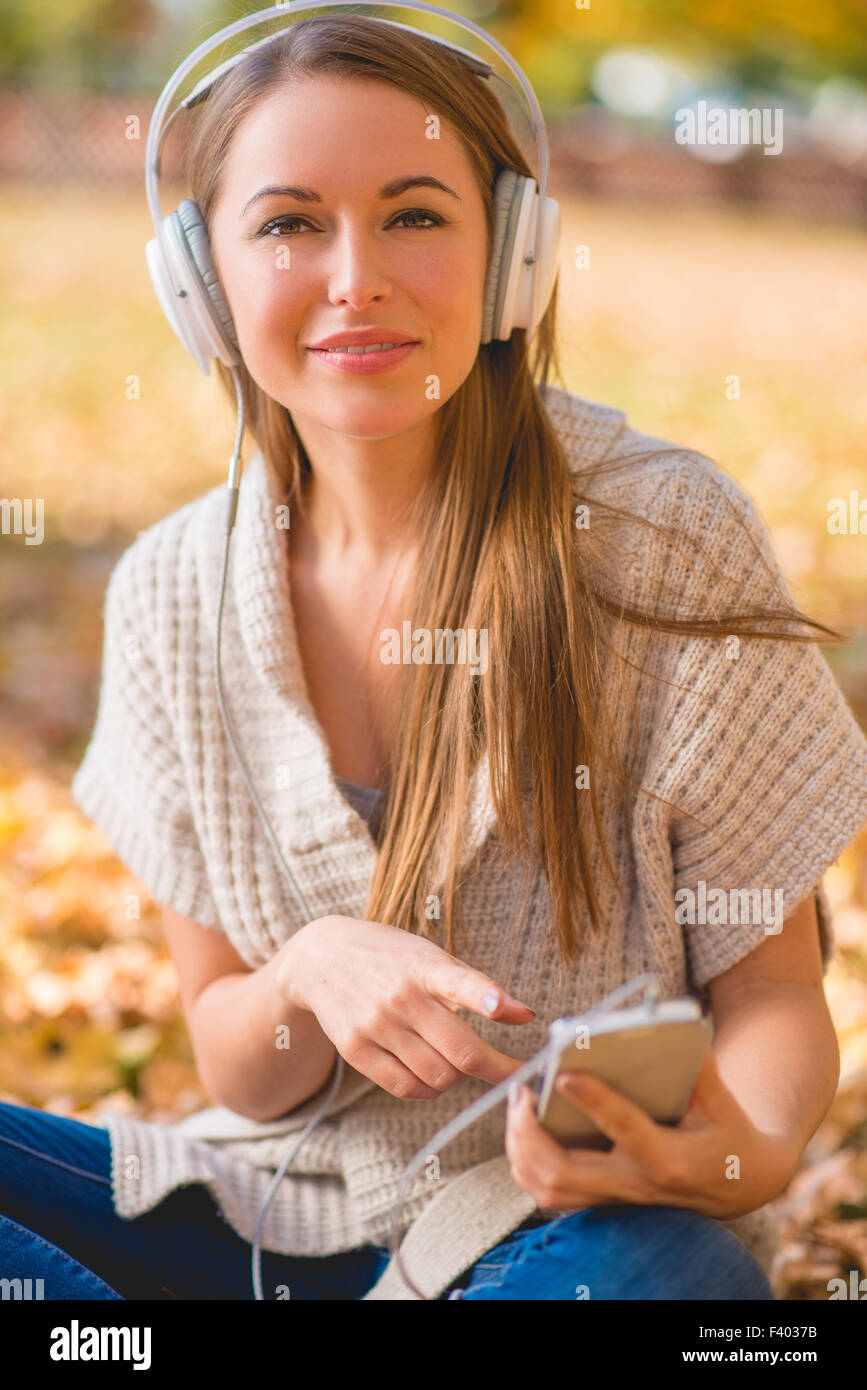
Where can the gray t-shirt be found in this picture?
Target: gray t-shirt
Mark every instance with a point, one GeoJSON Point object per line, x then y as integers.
{"type": "Point", "coordinates": [367, 801]}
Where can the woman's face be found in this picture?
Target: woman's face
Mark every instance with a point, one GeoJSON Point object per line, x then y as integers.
{"type": "Point", "coordinates": [297, 269]}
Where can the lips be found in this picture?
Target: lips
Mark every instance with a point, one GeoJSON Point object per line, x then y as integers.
{"type": "Point", "coordinates": [362, 351]}
{"type": "Point", "coordinates": [375, 336]}
{"type": "Point", "coordinates": [364, 360]}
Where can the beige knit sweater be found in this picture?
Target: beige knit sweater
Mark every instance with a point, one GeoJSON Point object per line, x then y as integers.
{"type": "Point", "coordinates": [763, 749]}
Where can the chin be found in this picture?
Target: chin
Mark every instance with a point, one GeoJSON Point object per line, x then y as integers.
{"type": "Point", "coordinates": [373, 420]}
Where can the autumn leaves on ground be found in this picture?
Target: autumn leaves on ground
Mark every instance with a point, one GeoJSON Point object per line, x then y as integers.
{"type": "Point", "coordinates": [105, 419]}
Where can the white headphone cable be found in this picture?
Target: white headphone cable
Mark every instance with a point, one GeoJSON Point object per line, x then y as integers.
{"type": "Point", "coordinates": [533, 1067]}
{"type": "Point", "coordinates": [536, 1064]}
{"type": "Point", "coordinates": [234, 487]}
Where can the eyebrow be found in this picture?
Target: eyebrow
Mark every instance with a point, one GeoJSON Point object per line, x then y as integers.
{"type": "Point", "coordinates": [394, 189]}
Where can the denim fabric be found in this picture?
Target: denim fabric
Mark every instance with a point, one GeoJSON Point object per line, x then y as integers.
{"type": "Point", "coordinates": [618, 1252]}
{"type": "Point", "coordinates": [58, 1226]}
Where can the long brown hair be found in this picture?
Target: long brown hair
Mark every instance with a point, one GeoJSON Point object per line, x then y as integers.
{"type": "Point", "coordinates": [500, 552]}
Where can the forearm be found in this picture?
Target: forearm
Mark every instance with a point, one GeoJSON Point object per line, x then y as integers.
{"type": "Point", "coordinates": [240, 1026]}
{"type": "Point", "coordinates": [778, 1055]}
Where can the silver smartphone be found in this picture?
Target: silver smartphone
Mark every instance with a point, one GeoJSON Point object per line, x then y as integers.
{"type": "Point", "coordinates": [650, 1053]}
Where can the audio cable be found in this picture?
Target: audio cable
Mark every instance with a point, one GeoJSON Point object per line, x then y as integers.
{"type": "Point", "coordinates": [536, 1064]}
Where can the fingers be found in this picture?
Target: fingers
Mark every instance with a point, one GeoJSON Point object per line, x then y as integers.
{"type": "Point", "coordinates": [457, 986]}
{"type": "Point", "coordinates": [434, 1048]}
{"type": "Point", "coordinates": [420, 1047]}
{"type": "Point", "coordinates": [426, 1060]}
{"type": "Point", "coordinates": [461, 1047]}
{"type": "Point", "coordinates": [620, 1119]}
{"type": "Point", "coordinates": [389, 1072]}
{"type": "Point", "coordinates": [497, 1066]}
{"type": "Point", "coordinates": [557, 1177]}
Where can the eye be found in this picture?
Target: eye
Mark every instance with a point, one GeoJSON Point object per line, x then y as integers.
{"type": "Point", "coordinates": [432, 217]}
{"type": "Point", "coordinates": [279, 222]}
{"type": "Point", "coordinates": [420, 212]}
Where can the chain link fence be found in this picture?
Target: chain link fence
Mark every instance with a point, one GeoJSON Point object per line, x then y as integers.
{"type": "Point", "coordinates": [100, 139]}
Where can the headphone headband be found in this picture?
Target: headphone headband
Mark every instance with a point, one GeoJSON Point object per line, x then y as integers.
{"type": "Point", "coordinates": [158, 125]}
{"type": "Point", "coordinates": [523, 260]}
{"type": "Point", "coordinates": [203, 87]}
{"type": "Point", "coordinates": [521, 273]}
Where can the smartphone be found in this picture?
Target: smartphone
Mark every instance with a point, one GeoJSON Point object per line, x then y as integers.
{"type": "Point", "coordinates": [650, 1053]}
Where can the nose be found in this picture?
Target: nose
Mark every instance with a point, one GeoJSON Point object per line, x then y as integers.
{"type": "Point", "coordinates": [357, 270]}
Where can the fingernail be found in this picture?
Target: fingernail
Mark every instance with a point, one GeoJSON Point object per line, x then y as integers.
{"type": "Point", "coordinates": [575, 1084]}
{"type": "Point", "coordinates": [520, 1003]}
{"type": "Point", "coordinates": [490, 1002]}
{"type": "Point", "coordinates": [514, 1093]}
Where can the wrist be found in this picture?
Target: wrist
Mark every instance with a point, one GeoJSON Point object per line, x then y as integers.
{"type": "Point", "coordinates": [290, 969]}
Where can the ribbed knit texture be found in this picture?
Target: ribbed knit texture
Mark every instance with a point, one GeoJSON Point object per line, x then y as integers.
{"type": "Point", "coordinates": [761, 749]}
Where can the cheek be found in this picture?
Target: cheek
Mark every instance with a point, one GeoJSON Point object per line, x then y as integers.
{"type": "Point", "coordinates": [273, 303]}
{"type": "Point", "coordinates": [449, 285]}
{"type": "Point", "coordinates": [270, 309]}
{"type": "Point", "coordinates": [265, 295]}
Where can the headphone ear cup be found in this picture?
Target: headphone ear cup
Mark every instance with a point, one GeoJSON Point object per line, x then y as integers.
{"type": "Point", "coordinates": [199, 243]}
{"type": "Point", "coordinates": [504, 201]}
{"type": "Point", "coordinates": [508, 298]}
{"type": "Point", "coordinates": [189, 290]}
{"type": "Point", "coordinates": [549, 255]}
{"type": "Point", "coordinates": [188, 286]}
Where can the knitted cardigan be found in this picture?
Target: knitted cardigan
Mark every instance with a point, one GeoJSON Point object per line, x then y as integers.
{"type": "Point", "coordinates": [758, 775]}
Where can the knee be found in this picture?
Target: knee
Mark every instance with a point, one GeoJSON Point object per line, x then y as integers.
{"type": "Point", "coordinates": [647, 1252]}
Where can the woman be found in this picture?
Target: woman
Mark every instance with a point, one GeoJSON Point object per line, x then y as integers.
{"type": "Point", "coordinates": [504, 843]}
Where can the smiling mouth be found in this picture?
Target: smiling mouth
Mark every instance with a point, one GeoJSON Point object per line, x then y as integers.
{"type": "Point", "coordinates": [363, 349]}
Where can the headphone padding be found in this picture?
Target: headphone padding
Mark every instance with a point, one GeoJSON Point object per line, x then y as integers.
{"type": "Point", "coordinates": [199, 245]}
{"type": "Point", "coordinates": [504, 198]}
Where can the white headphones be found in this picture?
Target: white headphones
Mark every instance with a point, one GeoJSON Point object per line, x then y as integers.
{"type": "Point", "coordinates": [525, 246]}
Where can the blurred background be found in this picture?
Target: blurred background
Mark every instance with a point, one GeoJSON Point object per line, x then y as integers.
{"type": "Point", "coordinates": [716, 291]}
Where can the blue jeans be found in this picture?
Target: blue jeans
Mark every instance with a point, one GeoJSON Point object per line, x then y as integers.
{"type": "Point", "coordinates": [58, 1225]}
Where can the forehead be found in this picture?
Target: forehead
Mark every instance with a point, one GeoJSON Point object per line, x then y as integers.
{"type": "Point", "coordinates": [334, 132]}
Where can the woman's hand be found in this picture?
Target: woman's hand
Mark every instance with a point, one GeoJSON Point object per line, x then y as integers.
{"type": "Point", "coordinates": [387, 1000]}
{"type": "Point", "coordinates": [714, 1161]}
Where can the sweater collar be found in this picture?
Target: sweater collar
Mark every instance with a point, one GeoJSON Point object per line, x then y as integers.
{"type": "Point", "coordinates": [319, 815]}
